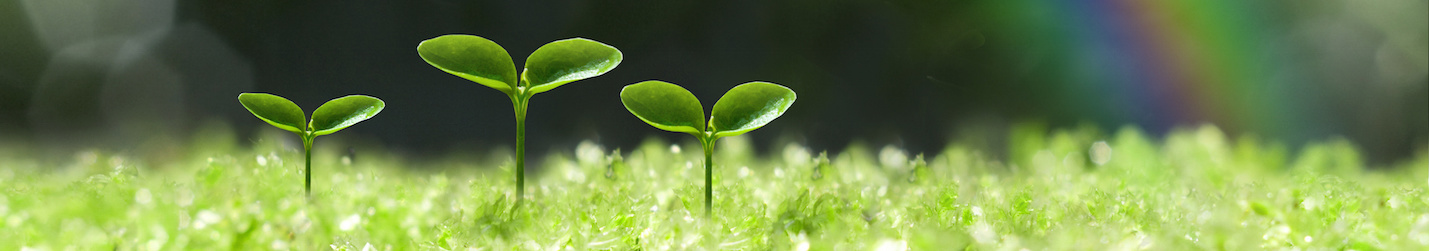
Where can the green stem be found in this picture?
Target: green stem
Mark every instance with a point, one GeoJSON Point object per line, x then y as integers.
{"type": "Point", "coordinates": [519, 102]}
{"type": "Point", "coordinates": [707, 142]}
{"type": "Point", "coordinates": [308, 164]}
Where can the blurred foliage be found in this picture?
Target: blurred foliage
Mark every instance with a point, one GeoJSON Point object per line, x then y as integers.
{"type": "Point", "coordinates": [1195, 189]}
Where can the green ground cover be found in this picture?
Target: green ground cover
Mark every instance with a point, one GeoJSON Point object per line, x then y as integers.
{"type": "Point", "coordinates": [1194, 189]}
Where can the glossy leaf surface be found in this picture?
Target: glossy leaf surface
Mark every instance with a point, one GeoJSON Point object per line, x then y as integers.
{"type": "Point", "coordinates": [664, 105]}
{"type": "Point", "coordinates": [473, 58]}
{"type": "Point", "coordinates": [344, 112]}
{"type": "Point", "coordinates": [277, 111]}
{"type": "Point", "coordinates": [749, 106]}
{"type": "Point", "coordinates": [565, 61]}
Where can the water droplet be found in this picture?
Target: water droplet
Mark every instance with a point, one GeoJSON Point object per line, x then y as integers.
{"type": "Point", "coordinates": [1311, 203]}
{"type": "Point", "coordinates": [1420, 231]}
{"type": "Point", "coordinates": [262, 161]}
{"type": "Point", "coordinates": [796, 155]}
{"type": "Point", "coordinates": [350, 222]}
{"type": "Point", "coordinates": [674, 148]}
{"type": "Point", "coordinates": [1100, 153]}
{"type": "Point", "coordinates": [588, 153]}
{"type": "Point", "coordinates": [154, 244]}
{"type": "Point", "coordinates": [143, 197]}
{"type": "Point", "coordinates": [1394, 202]}
{"type": "Point", "coordinates": [892, 157]}
{"type": "Point", "coordinates": [205, 218]}
{"type": "Point", "coordinates": [983, 233]}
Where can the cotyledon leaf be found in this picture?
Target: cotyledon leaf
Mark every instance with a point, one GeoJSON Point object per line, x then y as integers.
{"type": "Point", "coordinates": [344, 112]}
{"type": "Point", "coordinates": [749, 106]}
{"type": "Point", "coordinates": [664, 105]}
{"type": "Point", "coordinates": [565, 61]}
{"type": "Point", "coordinates": [473, 58]}
{"type": "Point", "coordinates": [277, 111]}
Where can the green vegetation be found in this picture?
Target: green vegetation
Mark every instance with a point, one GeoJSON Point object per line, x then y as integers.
{"type": "Point", "coordinates": [329, 118]}
{"type": "Point", "coordinates": [670, 107]}
{"type": "Point", "coordinates": [1192, 190]}
{"type": "Point", "coordinates": [554, 64]}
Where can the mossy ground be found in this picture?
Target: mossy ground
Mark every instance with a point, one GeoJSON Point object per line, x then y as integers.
{"type": "Point", "coordinates": [1194, 189]}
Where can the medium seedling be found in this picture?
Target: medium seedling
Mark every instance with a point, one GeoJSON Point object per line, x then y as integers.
{"type": "Point", "coordinates": [672, 108]}
{"type": "Point", "coordinates": [332, 116]}
{"type": "Point", "coordinates": [484, 62]}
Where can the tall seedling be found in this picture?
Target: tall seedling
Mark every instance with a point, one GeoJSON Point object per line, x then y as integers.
{"type": "Point", "coordinates": [332, 116]}
{"type": "Point", "coordinates": [672, 108]}
{"type": "Point", "coordinates": [484, 62]}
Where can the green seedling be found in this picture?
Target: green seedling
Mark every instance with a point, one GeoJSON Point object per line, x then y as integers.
{"type": "Point", "coordinates": [920, 168]}
{"type": "Point", "coordinates": [820, 163]}
{"type": "Point", "coordinates": [670, 107]}
{"type": "Point", "coordinates": [329, 118]}
{"type": "Point", "coordinates": [484, 62]}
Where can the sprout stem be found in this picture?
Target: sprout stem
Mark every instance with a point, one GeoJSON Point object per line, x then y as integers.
{"type": "Point", "coordinates": [707, 142]}
{"type": "Point", "coordinates": [308, 164]}
{"type": "Point", "coordinates": [519, 101]}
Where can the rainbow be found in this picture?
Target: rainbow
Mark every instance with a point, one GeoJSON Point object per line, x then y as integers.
{"type": "Point", "coordinates": [1167, 63]}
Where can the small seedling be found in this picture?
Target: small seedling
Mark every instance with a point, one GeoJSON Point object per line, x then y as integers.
{"type": "Point", "coordinates": [820, 163]}
{"type": "Point", "coordinates": [484, 62]}
{"type": "Point", "coordinates": [332, 116]}
{"type": "Point", "coordinates": [616, 162]}
{"type": "Point", "coordinates": [672, 108]}
{"type": "Point", "coordinates": [920, 168]}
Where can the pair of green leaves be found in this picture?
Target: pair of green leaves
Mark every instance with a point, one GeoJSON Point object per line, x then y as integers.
{"type": "Point", "coordinates": [554, 64]}
{"type": "Point", "coordinates": [673, 108]}
{"type": "Point", "coordinates": [670, 107]}
{"type": "Point", "coordinates": [329, 118]}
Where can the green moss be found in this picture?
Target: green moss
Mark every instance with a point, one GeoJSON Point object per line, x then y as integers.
{"type": "Point", "coordinates": [1194, 189]}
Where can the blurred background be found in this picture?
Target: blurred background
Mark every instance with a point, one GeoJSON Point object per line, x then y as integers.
{"type": "Point", "coordinates": [915, 74]}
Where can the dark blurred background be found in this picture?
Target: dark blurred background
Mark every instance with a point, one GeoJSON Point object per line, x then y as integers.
{"type": "Point", "coordinates": [84, 73]}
